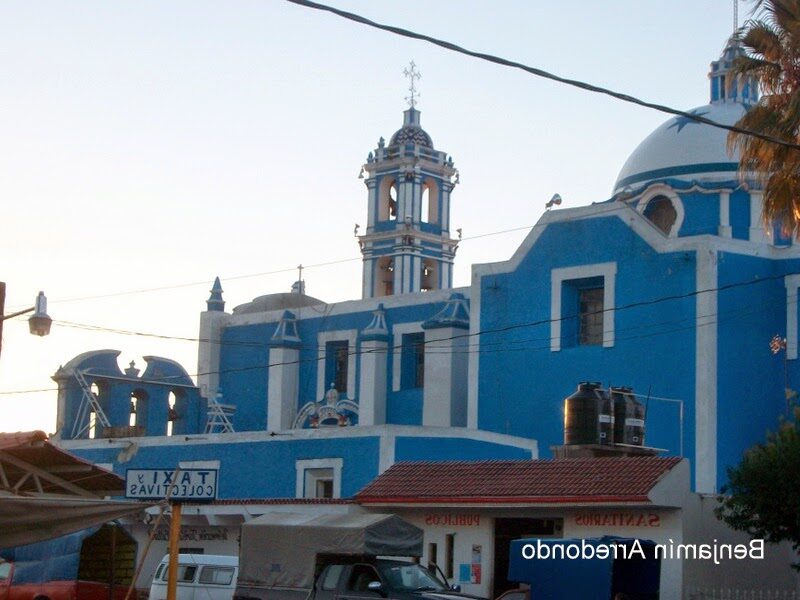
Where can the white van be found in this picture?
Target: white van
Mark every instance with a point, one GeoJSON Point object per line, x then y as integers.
{"type": "Point", "coordinates": [200, 577]}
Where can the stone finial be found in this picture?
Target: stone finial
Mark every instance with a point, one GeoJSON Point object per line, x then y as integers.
{"type": "Point", "coordinates": [377, 329]}
{"type": "Point", "coordinates": [215, 303]}
{"type": "Point", "coordinates": [286, 332]}
{"type": "Point", "coordinates": [454, 314]}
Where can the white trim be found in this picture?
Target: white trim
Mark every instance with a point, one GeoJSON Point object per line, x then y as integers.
{"type": "Point", "coordinates": [473, 367]}
{"type": "Point", "coordinates": [669, 193]}
{"type": "Point", "coordinates": [323, 337]}
{"type": "Point", "coordinates": [608, 272]}
{"type": "Point", "coordinates": [706, 372]}
{"type": "Point", "coordinates": [321, 433]}
{"type": "Point", "coordinates": [757, 232]}
{"type": "Point", "coordinates": [792, 282]}
{"type": "Point", "coordinates": [725, 229]}
{"type": "Point", "coordinates": [398, 331]}
{"type": "Point", "coordinates": [303, 465]}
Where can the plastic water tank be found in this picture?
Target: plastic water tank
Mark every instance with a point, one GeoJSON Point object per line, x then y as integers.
{"type": "Point", "coordinates": [588, 416]}
{"type": "Point", "coordinates": [628, 417]}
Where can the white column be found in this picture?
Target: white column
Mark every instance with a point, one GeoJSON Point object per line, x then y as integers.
{"type": "Point", "coordinates": [208, 351]}
{"type": "Point", "coordinates": [284, 379]}
{"type": "Point", "coordinates": [445, 392]}
{"type": "Point", "coordinates": [372, 384]}
{"type": "Point", "coordinates": [706, 373]}
{"type": "Point", "coordinates": [725, 229]}
{"type": "Point", "coordinates": [757, 233]}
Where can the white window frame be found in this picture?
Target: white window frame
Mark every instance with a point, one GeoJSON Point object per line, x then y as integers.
{"type": "Point", "coordinates": [302, 466]}
{"type": "Point", "coordinates": [323, 337]}
{"type": "Point", "coordinates": [669, 193]}
{"type": "Point", "coordinates": [398, 331]}
{"type": "Point", "coordinates": [608, 272]}
{"type": "Point", "coordinates": [792, 283]}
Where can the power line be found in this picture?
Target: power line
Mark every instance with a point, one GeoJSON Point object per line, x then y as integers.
{"type": "Point", "coordinates": [540, 72]}
{"type": "Point", "coordinates": [717, 318]}
{"type": "Point", "coordinates": [706, 320]}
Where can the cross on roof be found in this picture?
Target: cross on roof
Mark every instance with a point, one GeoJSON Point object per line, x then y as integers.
{"type": "Point", "coordinates": [412, 74]}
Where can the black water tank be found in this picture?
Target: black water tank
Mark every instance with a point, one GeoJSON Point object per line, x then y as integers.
{"type": "Point", "coordinates": [605, 418]}
{"type": "Point", "coordinates": [628, 417]}
{"type": "Point", "coordinates": [582, 416]}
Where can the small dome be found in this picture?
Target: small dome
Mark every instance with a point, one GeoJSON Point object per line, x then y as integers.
{"type": "Point", "coordinates": [685, 149]}
{"type": "Point", "coordinates": [411, 132]}
{"type": "Point", "coordinates": [280, 301]}
{"type": "Point", "coordinates": [411, 135]}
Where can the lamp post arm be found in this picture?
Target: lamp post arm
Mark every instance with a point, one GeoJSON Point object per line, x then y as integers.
{"type": "Point", "coordinates": [18, 313]}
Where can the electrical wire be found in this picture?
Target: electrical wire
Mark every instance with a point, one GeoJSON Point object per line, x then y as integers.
{"type": "Point", "coordinates": [540, 72]}
{"type": "Point", "coordinates": [698, 321]}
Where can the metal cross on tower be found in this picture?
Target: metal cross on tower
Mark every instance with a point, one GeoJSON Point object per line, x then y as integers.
{"type": "Point", "coordinates": [412, 74]}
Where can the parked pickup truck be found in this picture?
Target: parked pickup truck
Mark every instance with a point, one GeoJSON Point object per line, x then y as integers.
{"type": "Point", "coordinates": [286, 556]}
{"type": "Point", "coordinates": [380, 578]}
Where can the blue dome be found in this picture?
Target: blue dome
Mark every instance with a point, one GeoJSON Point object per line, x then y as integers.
{"type": "Point", "coordinates": [411, 132]}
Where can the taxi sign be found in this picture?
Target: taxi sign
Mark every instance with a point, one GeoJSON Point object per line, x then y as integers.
{"type": "Point", "coordinates": [180, 485]}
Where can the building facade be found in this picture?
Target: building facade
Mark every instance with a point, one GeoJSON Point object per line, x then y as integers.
{"type": "Point", "coordinates": [672, 287]}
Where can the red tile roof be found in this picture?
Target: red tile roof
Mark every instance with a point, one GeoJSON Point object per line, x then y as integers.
{"type": "Point", "coordinates": [563, 480]}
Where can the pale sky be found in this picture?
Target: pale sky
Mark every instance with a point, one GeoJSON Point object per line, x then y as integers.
{"type": "Point", "coordinates": [150, 144]}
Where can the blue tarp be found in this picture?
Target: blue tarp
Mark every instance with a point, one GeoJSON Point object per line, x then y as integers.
{"type": "Point", "coordinates": [53, 560]}
{"type": "Point", "coordinates": [568, 569]}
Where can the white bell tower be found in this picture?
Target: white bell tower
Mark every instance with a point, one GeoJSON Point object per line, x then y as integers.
{"type": "Point", "coordinates": [407, 247]}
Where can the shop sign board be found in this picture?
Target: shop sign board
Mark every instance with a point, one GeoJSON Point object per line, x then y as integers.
{"type": "Point", "coordinates": [176, 485]}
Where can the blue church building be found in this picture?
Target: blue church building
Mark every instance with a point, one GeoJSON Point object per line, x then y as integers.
{"type": "Point", "coordinates": [672, 286]}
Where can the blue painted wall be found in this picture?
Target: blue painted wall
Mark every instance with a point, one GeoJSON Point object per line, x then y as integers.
{"type": "Point", "coordinates": [522, 384]}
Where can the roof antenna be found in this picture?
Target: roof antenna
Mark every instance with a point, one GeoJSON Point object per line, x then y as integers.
{"type": "Point", "coordinates": [735, 16]}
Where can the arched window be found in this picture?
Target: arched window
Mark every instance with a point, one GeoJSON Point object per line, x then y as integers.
{"type": "Point", "coordinates": [384, 276]}
{"type": "Point", "coordinates": [132, 416]}
{"type": "Point", "coordinates": [430, 278]}
{"type": "Point", "coordinates": [661, 212]}
{"type": "Point", "coordinates": [430, 202]}
{"type": "Point", "coordinates": [172, 413]}
{"type": "Point", "coordinates": [387, 200]}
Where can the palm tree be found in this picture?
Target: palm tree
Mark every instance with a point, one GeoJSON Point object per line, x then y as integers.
{"type": "Point", "coordinates": [772, 57]}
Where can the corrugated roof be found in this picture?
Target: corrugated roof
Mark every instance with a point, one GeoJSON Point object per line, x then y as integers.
{"type": "Point", "coordinates": [605, 479]}
{"type": "Point", "coordinates": [51, 470]}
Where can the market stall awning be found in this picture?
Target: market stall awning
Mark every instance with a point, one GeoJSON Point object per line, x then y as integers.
{"type": "Point", "coordinates": [46, 492]}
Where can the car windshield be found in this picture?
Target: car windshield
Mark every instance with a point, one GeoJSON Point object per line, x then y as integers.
{"type": "Point", "coordinates": [410, 577]}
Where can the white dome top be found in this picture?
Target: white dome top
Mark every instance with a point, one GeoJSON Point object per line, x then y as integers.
{"type": "Point", "coordinates": [690, 151]}
{"type": "Point", "coordinates": [684, 149]}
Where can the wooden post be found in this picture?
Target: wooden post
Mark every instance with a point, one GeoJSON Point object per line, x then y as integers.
{"type": "Point", "coordinates": [174, 538]}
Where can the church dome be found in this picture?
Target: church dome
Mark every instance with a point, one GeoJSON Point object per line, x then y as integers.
{"type": "Point", "coordinates": [687, 150]}
{"type": "Point", "coordinates": [411, 132]}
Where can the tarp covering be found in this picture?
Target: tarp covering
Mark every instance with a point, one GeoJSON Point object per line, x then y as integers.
{"type": "Point", "coordinates": [559, 577]}
{"type": "Point", "coordinates": [26, 520]}
{"type": "Point", "coordinates": [280, 549]}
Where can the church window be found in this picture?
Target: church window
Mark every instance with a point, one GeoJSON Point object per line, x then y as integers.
{"type": "Point", "coordinates": [384, 277]}
{"type": "Point", "coordinates": [429, 210]}
{"type": "Point", "coordinates": [661, 213]}
{"type": "Point", "coordinates": [413, 360]}
{"type": "Point", "coordinates": [428, 279]}
{"type": "Point", "coordinates": [582, 306]}
{"type": "Point", "coordinates": [590, 316]}
{"type": "Point", "coordinates": [319, 478]}
{"type": "Point", "coordinates": [387, 200]}
{"type": "Point", "coordinates": [337, 357]}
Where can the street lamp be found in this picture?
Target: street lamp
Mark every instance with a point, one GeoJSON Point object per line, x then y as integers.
{"type": "Point", "coordinates": [39, 323]}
